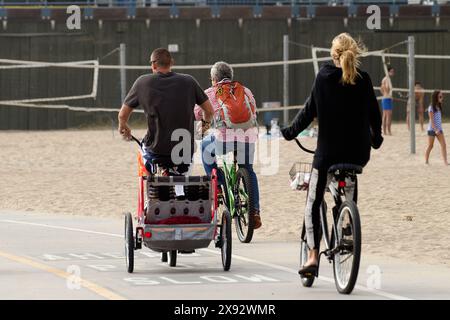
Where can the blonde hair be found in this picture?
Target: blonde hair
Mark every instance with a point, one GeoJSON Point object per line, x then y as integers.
{"type": "Point", "coordinates": [347, 51]}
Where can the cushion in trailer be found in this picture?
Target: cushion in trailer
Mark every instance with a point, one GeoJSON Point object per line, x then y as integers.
{"type": "Point", "coordinates": [180, 220]}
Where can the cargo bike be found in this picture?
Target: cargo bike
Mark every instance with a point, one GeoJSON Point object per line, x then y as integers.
{"type": "Point", "coordinates": [176, 213]}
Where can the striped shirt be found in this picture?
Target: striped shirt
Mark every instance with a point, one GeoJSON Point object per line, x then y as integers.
{"type": "Point", "coordinates": [437, 117]}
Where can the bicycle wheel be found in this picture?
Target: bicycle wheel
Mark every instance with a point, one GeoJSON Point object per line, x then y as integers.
{"type": "Point", "coordinates": [225, 235]}
{"type": "Point", "coordinates": [173, 258]}
{"type": "Point", "coordinates": [129, 243]}
{"type": "Point", "coordinates": [348, 240]}
{"type": "Point", "coordinates": [245, 206]}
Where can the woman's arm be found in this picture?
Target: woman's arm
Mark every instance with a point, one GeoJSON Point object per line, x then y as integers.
{"type": "Point", "coordinates": [375, 120]}
{"type": "Point", "coordinates": [431, 115]}
{"type": "Point", "coordinates": [198, 113]}
{"type": "Point", "coordinates": [302, 120]}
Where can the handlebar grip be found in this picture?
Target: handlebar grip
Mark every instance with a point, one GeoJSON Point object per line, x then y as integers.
{"type": "Point", "coordinates": [136, 140]}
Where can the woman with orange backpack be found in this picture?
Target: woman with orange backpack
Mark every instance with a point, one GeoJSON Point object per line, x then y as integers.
{"type": "Point", "coordinates": [234, 129]}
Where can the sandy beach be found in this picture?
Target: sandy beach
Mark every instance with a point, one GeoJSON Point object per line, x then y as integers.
{"type": "Point", "coordinates": [404, 204]}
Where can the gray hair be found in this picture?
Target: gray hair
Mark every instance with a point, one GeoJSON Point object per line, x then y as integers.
{"type": "Point", "coordinates": [221, 70]}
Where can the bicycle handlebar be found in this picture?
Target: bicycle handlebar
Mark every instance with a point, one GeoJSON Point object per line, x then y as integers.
{"type": "Point", "coordinates": [303, 148]}
{"type": "Point", "coordinates": [136, 140]}
{"type": "Point", "coordinates": [296, 141]}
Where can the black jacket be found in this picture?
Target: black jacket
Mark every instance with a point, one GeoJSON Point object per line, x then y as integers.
{"type": "Point", "coordinates": [349, 119]}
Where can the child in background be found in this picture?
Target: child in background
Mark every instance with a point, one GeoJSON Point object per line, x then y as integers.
{"type": "Point", "coordinates": [435, 126]}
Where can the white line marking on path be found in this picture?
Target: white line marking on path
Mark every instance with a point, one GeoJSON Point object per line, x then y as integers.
{"type": "Point", "coordinates": [63, 228]}
{"type": "Point", "coordinates": [262, 263]}
{"type": "Point", "coordinates": [326, 279]}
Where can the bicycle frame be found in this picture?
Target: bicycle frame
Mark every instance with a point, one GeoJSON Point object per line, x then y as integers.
{"type": "Point", "coordinates": [230, 181]}
{"type": "Point", "coordinates": [343, 185]}
{"type": "Point", "coordinates": [337, 189]}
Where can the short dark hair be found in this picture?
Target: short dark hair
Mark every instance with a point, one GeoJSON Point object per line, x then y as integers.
{"type": "Point", "coordinates": [162, 57]}
{"type": "Point", "coordinates": [390, 68]}
{"type": "Point", "coordinates": [417, 83]}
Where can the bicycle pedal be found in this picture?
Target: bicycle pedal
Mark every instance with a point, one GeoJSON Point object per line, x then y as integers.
{"type": "Point", "coordinates": [347, 231]}
{"type": "Point", "coordinates": [218, 243]}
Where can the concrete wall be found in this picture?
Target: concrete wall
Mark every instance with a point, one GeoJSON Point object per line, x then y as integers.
{"type": "Point", "coordinates": [214, 39]}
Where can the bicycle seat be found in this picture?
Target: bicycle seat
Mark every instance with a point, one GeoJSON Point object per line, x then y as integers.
{"type": "Point", "coordinates": [164, 161]}
{"type": "Point", "coordinates": [345, 167]}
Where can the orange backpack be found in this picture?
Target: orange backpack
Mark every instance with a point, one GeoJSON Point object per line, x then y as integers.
{"type": "Point", "coordinates": [236, 109]}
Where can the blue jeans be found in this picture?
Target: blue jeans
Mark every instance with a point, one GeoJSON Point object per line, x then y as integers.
{"type": "Point", "coordinates": [245, 156]}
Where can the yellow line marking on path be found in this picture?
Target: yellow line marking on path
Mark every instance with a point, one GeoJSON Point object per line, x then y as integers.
{"type": "Point", "coordinates": [103, 292]}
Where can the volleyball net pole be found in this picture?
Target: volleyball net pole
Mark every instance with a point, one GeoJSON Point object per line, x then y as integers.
{"type": "Point", "coordinates": [123, 77]}
{"type": "Point", "coordinates": [285, 79]}
{"type": "Point", "coordinates": [412, 99]}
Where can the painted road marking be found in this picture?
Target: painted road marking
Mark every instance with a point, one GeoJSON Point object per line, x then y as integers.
{"type": "Point", "coordinates": [184, 279]}
{"type": "Point", "coordinates": [197, 280]}
{"type": "Point", "coordinates": [102, 267]}
{"type": "Point", "coordinates": [74, 256]}
{"type": "Point", "coordinates": [105, 293]}
{"type": "Point", "coordinates": [270, 265]}
{"type": "Point", "coordinates": [63, 228]}
{"type": "Point", "coordinates": [326, 279]}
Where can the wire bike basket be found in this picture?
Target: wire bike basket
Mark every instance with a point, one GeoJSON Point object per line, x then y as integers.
{"type": "Point", "coordinates": [300, 174]}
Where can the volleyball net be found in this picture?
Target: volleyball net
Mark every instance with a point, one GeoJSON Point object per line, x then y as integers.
{"type": "Point", "coordinates": [92, 70]}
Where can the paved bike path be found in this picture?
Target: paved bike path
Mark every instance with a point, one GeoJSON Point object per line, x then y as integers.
{"type": "Point", "coordinates": [77, 257]}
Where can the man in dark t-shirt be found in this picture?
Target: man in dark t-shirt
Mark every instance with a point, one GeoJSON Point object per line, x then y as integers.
{"type": "Point", "coordinates": [168, 100]}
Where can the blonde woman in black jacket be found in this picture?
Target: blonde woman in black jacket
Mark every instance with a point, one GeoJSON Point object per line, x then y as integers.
{"type": "Point", "coordinates": [344, 102]}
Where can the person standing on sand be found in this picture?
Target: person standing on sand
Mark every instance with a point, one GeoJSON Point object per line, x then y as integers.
{"type": "Point", "coordinates": [387, 101]}
{"type": "Point", "coordinates": [435, 126]}
{"type": "Point", "coordinates": [419, 95]}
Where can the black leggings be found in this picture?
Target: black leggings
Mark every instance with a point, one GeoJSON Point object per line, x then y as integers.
{"type": "Point", "coordinates": [320, 179]}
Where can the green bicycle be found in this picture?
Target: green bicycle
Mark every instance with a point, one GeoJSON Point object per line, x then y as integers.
{"type": "Point", "coordinates": [238, 197]}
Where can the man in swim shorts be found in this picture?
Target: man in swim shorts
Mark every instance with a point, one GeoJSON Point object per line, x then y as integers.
{"type": "Point", "coordinates": [387, 101]}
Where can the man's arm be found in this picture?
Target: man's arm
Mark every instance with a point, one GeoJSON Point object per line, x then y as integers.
{"type": "Point", "coordinates": [421, 96]}
{"type": "Point", "coordinates": [124, 116]}
{"type": "Point", "coordinates": [383, 86]}
{"type": "Point", "coordinates": [131, 101]}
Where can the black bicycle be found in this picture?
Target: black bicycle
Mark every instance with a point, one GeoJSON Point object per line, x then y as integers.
{"type": "Point", "coordinates": [343, 241]}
